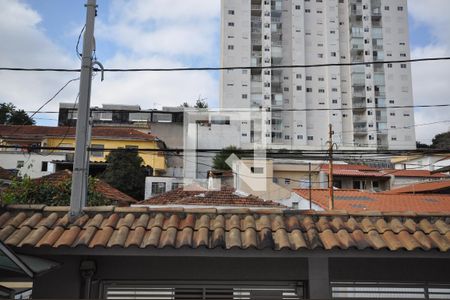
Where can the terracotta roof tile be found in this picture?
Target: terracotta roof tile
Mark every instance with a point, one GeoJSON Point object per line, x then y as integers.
{"type": "Point", "coordinates": [101, 187]}
{"type": "Point", "coordinates": [414, 173]}
{"type": "Point", "coordinates": [424, 187]}
{"type": "Point", "coordinates": [366, 203]}
{"type": "Point", "coordinates": [173, 229]}
{"type": "Point", "coordinates": [198, 196]}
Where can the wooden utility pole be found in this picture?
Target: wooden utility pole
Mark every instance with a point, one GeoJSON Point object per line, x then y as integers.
{"type": "Point", "coordinates": [330, 168]}
{"type": "Point", "coordinates": [78, 197]}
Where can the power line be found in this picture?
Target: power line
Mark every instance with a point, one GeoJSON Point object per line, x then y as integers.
{"type": "Point", "coordinates": [240, 110]}
{"type": "Point", "coordinates": [182, 69]}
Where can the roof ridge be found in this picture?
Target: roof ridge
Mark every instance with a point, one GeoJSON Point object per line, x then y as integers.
{"type": "Point", "coordinates": [219, 211]}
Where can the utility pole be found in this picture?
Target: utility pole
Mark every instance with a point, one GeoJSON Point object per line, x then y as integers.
{"type": "Point", "coordinates": [330, 171]}
{"type": "Point", "coordinates": [79, 192]}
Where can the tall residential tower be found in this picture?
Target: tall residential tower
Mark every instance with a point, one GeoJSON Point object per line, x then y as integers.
{"type": "Point", "coordinates": [299, 103]}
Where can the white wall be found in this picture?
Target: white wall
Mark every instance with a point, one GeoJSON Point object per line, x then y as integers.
{"type": "Point", "coordinates": [167, 180]}
{"type": "Point", "coordinates": [303, 204]}
{"type": "Point", "coordinates": [32, 163]}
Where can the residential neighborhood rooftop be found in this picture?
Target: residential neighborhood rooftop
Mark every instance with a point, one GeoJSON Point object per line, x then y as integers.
{"type": "Point", "coordinates": [424, 187]}
{"type": "Point", "coordinates": [356, 200]}
{"type": "Point", "coordinates": [101, 187]}
{"type": "Point", "coordinates": [198, 196]}
{"type": "Point", "coordinates": [34, 226]}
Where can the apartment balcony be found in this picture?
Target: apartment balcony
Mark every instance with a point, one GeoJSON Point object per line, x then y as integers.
{"type": "Point", "coordinates": [276, 20]}
{"type": "Point", "coordinates": [256, 7]}
{"type": "Point", "coordinates": [377, 33]}
{"type": "Point", "coordinates": [358, 119]}
{"type": "Point", "coordinates": [360, 69]}
{"type": "Point", "coordinates": [382, 127]}
{"type": "Point", "coordinates": [256, 79]}
{"type": "Point", "coordinates": [359, 105]}
{"type": "Point", "coordinates": [357, 12]}
{"type": "Point", "coordinates": [277, 52]}
{"type": "Point", "coordinates": [358, 93]}
{"type": "Point", "coordinates": [358, 79]}
{"type": "Point", "coordinates": [381, 116]}
{"type": "Point", "coordinates": [378, 79]}
{"type": "Point", "coordinates": [360, 129]}
{"type": "Point", "coordinates": [256, 42]}
{"type": "Point", "coordinates": [380, 102]}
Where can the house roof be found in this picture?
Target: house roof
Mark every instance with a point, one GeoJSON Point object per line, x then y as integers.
{"type": "Point", "coordinates": [39, 132]}
{"type": "Point", "coordinates": [6, 174]}
{"type": "Point", "coordinates": [100, 186]}
{"type": "Point", "coordinates": [414, 173]}
{"type": "Point", "coordinates": [200, 196]}
{"type": "Point", "coordinates": [355, 200]}
{"type": "Point", "coordinates": [425, 187]}
{"type": "Point", "coordinates": [354, 171]}
{"type": "Point", "coordinates": [246, 229]}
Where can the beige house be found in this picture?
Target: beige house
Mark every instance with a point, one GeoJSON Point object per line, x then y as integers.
{"type": "Point", "coordinates": [274, 179]}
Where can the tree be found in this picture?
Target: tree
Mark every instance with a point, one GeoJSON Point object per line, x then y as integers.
{"type": "Point", "coordinates": [26, 191]}
{"type": "Point", "coordinates": [126, 172]}
{"type": "Point", "coordinates": [219, 161]}
{"type": "Point", "coordinates": [10, 115]}
{"type": "Point", "coordinates": [420, 145]}
{"type": "Point", "coordinates": [201, 103]}
{"type": "Point", "coordinates": [441, 141]}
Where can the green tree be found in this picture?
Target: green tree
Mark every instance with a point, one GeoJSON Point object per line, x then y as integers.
{"type": "Point", "coordinates": [219, 161]}
{"type": "Point", "coordinates": [26, 191]}
{"type": "Point", "coordinates": [201, 103]}
{"type": "Point", "coordinates": [421, 145]}
{"type": "Point", "coordinates": [126, 172]}
{"type": "Point", "coordinates": [10, 115]}
{"type": "Point", "coordinates": [441, 141]}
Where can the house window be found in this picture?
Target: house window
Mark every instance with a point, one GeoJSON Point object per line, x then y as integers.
{"type": "Point", "coordinates": [287, 181]}
{"type": "Point", "coordinates": [20, 164]}
{"type": "Point", "coordinates": [158, 188]}
{"type": "Point", "coordinates": [257, 170]}
{"type": "Point", "coordinates": [44, 166]}
{"type": "Point", "coordinates": [97, 150]}
{"type": "Point", "coordinates": [295, 205]}
{"type": "Point", "coordinates": [176, 185]}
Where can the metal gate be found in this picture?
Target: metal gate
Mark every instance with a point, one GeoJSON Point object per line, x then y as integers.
{"type": "Point", "coordinates": [204, 290]}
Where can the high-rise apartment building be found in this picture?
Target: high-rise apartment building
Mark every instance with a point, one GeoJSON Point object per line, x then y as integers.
{"type": "Point", "coordinates": [360, 101]}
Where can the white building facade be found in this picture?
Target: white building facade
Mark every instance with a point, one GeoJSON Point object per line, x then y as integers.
{"type": "Point", "coordinates": [361, 102]}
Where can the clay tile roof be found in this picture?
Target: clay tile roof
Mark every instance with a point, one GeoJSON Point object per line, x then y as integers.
{"type": "Point", "coordinates": [354, 171]}
{"type": "Point", "coordinates": [424, 187]}
{"type": "Point", "coordinates": [100, 186]}
{"type": "Point", "coordinates": [414, 173]}
{"type": "Point", "coordinates": [355, 200]}
{"type": "Point", "coordinates": [6, 174]}
{"type": "Point", "coordinates": [37, 226]}
{"type": "Point", "coordinates": [199, 196]}
{"type": "Point", "coordinates": [36, 132]}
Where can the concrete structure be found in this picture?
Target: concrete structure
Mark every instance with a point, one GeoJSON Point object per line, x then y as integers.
{"type": "Point", "coordinates": [357, 100]}
{"type": "Point", "coordinates": [23, 139]}
{"type": "Point", "coordinates": [430, 162]}
{"type": "Point", "coordinates": [155, 186]}
{"type": "Point", "coordinates": [30, 164]}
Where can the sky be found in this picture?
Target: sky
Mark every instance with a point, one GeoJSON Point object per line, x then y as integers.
{"type": "Point", "coordinates": [171, 33]}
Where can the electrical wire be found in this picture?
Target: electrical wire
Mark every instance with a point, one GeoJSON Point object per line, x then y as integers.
{"type": "Point", "coordinates": [79, 54]}
{"type": "Point", "coordinates": [183, 69]}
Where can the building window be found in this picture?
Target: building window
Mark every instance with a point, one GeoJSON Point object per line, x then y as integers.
{"type": "Point", "coordinates": [176, 185]}
{"type": "Point", "coordinates": [287, 181]}
{"type": "Point", "coordinates": [97, 150]}
{"type": "Point", "coordinates": [231, 24]}
{"type": "Point", "coordinates": [257, 170]}
{"type": "Point", "coordinates": [44, 166]}
{"type": "Point", "coordinates": [231, 12]}
{"type": "Point", "coordinates": [295, 205]}
{"type": "Point", "coordinates": [20, 164]}
{"type": "Point", "coordinates": [158, 188]}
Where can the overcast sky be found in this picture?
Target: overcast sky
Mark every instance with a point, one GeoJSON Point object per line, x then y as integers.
{"type": "Point", "coordinates": [171, 33]}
